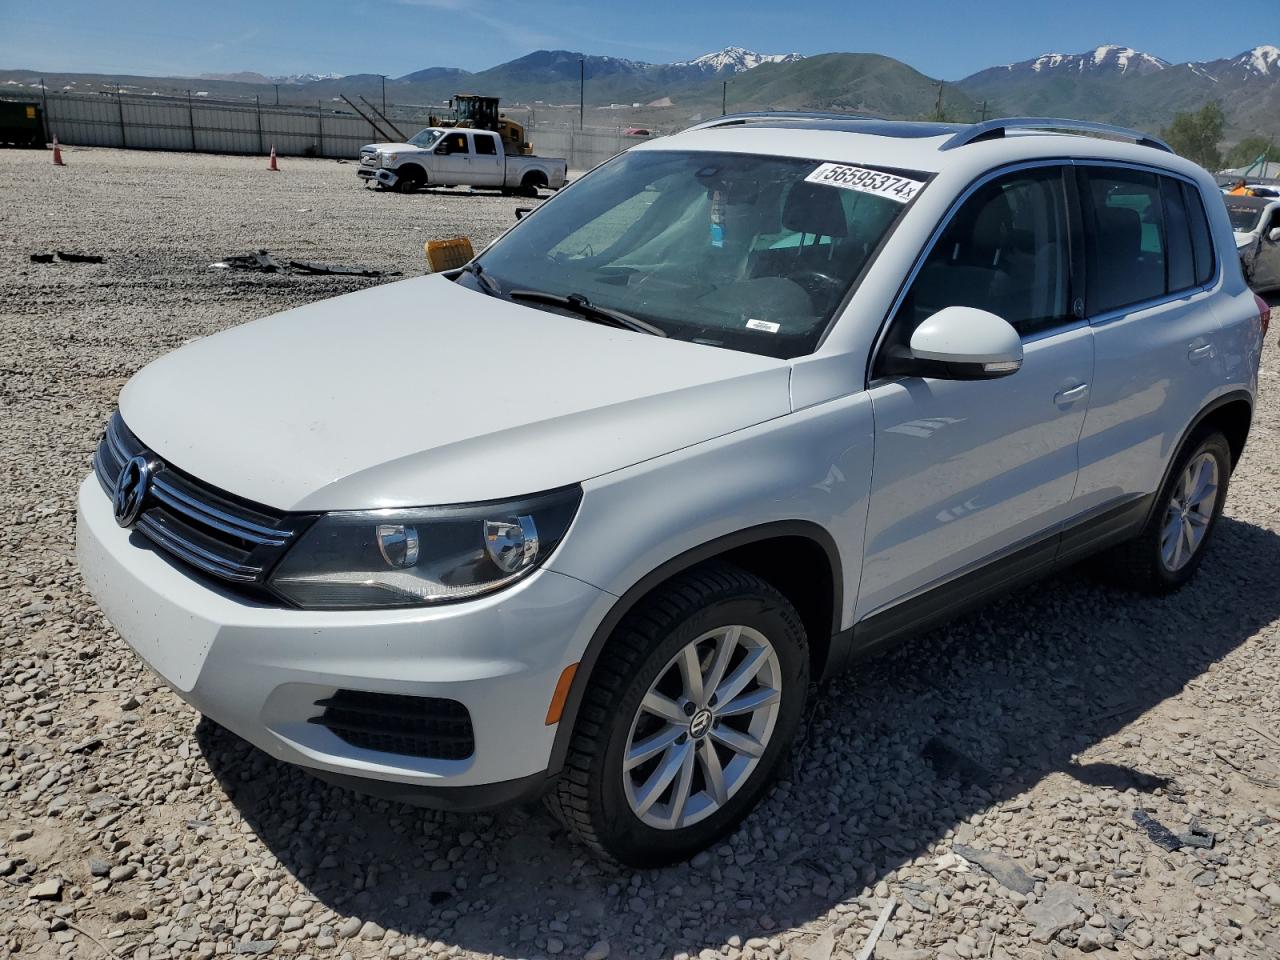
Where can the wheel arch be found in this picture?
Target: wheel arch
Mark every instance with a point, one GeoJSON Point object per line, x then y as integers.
{"type": "Point", "coordinates": [1232, 413]}
{"type": "Point", "coordinates": [786, 553]}
{"type": "Point", "coordinates": [414, 169]}
{"type": "Point", "coordinates": [534, 178]}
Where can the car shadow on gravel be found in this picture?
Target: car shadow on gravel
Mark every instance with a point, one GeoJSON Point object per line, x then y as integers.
{"type": "Point", "coordinates": [1020, 690]}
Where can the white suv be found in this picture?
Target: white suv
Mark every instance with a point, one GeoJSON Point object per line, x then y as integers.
{"type": "Point", "coordinates": [587, 517]}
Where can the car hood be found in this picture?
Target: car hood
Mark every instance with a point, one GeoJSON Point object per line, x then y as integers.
{"type": "Point", "coordinates": [390, 147]}
{"type": "Point", "coordinates": [423, 392]}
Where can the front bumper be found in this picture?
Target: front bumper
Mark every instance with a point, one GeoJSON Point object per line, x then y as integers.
{"type": "Point", "coordinates": [387, 178]}
{"type": "Point", "coordinates": [259, 670]}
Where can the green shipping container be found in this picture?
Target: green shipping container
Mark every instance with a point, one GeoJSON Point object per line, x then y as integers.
{"type": "Point", "coordinates": [21, 125]}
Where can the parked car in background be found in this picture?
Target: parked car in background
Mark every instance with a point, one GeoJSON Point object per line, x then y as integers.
{"type": "Point", "coordinates": [583, 518]}
{"type": "Point", "coordinates": [448, 157]}
{"type": "Point", "coordinates": [1256, 223]}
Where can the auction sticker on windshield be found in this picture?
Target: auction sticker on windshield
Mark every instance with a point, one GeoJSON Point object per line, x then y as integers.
{"type": "Point", "coordinates": [863, 180]}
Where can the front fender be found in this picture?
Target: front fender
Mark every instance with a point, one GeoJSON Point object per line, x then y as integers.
{"type": "Point", "coordinates": [804, 474]}
{"type": "Point", "coordinates": [811, 466]}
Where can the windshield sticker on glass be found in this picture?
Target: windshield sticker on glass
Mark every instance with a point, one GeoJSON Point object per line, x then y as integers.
{"type": "Point", "coordinates": [863, 180]}
{"type": "Point", "coordinates": [764, 325]}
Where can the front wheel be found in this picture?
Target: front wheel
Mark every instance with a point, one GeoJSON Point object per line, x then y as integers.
{"type": "Point", "coordinates": [695, 698]}
{"type": "Point", "coordinates": [1172, 545]}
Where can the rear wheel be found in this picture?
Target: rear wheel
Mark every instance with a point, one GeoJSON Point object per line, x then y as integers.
{"type": "Point", "coordinates": [1172, 545]}
{"type": "Point", "coordinates": [695, 698]}
{"type": "Point", "coordinates": [531, 183]}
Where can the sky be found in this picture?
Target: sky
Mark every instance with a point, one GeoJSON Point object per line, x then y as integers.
{"type": "Point", "coordinates": [948, 39]}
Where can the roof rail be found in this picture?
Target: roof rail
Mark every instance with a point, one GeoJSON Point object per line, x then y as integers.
{"type": "Point", "coordinates": [737, 119]}
{"type": "Point", "coordinates": [994, 129]}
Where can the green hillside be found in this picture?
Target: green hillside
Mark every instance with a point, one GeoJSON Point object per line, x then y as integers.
{"type": "Point", "coordinates": [845, 82]}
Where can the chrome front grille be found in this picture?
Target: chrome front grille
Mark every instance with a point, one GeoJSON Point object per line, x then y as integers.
{"type": "Point", "coordinates": [214, 532]}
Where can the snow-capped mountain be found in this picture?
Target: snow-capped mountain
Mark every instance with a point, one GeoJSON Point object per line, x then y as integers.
{"type": "Point", "coordinates": [307, 77]}
{"type": "Point", "coordinates": [1108, 58]}
{"type": "Point", "coordinates": [1261, 61]}
{"type": "Point", "coordinates": [734, 60]}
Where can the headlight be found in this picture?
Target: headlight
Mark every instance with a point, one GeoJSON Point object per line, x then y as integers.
{"type": "Point", "coordinates": [426, 555]}
{"type": "Point", "coordinates": [389, 159]}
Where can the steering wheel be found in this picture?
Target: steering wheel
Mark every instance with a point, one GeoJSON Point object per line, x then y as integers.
{"type": "Point", "coordinates": [817, 284]}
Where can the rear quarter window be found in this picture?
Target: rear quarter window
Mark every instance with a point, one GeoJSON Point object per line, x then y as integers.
{"type": "Point", "coordinates": [1201, 238]}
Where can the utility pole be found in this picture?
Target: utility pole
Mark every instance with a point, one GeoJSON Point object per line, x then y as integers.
{"type": "Point", "coordinates": [44, 93]}
{"type": "Point", "coordinates": [937, 106]}
{"type": "Point", "coordinates": [384, 93]}
{"type": "Point", "coordinates": [724, 97]}
{"type": "Point", "coordinates": [984, 111]}
{"type": "Point", "coordinates": [277, 86]}
{"type": "Point", "coordinates": [582, 89]}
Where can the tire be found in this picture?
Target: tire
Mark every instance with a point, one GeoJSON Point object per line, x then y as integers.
{"type": "Point", "coordinates": [409, 181]}
{"type": "Point", "coordinates": [707, 609]}
{"type": "Point", "coordinates": [1156, 562]}
{"type": "Point", "coordinates": [531, 183]}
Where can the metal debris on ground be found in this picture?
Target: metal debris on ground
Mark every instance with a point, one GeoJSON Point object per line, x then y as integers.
{"type": "Point", "coordinates": [66, 257]}
{"type": "Point", "coordinates": [1160, 835]}
{"type": "Point", "coordinates": [309, 266]}
{"type": "Point", "coordinates": [263, 262]}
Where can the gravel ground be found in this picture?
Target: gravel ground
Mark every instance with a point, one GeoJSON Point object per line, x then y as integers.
{"type": "Point", "coordinates": [983, 779]}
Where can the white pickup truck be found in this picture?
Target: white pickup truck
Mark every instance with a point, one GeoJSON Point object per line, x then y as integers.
{"type": "Point", "coordinates": [449, 157]}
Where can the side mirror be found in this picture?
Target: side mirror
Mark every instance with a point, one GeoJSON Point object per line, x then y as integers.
{"type": "Point", "coordinates": [964, 343]}
{"type": "Point", "coordinates": [522, 212]}
{"type": "Point", "coordinates": [1274, 234]}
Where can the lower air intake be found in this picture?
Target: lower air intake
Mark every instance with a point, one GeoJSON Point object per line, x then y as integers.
{"type": "Point", "coordinates": [393, 723]}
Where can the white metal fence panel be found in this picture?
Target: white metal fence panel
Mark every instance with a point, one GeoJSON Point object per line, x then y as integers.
{"type": "Point", "coordinates": [195, 123]}
{"type": "Point", "coordinates": [325, 130]}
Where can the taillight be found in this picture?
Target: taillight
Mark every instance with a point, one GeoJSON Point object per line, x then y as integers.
{"type": "Point", "coordinates": [1264, 313]}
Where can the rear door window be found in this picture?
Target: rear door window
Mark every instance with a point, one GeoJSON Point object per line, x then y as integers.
{"type": "Point", "coordinates": [486, 145]}
{"type": "Point", "coordinates": [1126, 249]}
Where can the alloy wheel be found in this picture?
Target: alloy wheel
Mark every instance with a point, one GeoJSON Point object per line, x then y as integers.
{"type": "Point", "coordinates": [1190, 512]}
{"type": "Point", "coordinates": [702, 727]}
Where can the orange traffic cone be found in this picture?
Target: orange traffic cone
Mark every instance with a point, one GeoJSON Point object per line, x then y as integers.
{"type": "Point", "coordinates": [272, 165]}
{"type": "Point", "coordinates": [57, 154]}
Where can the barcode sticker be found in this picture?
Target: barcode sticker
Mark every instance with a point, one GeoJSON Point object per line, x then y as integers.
{"type": "Point", "coordinates": [863, 180]}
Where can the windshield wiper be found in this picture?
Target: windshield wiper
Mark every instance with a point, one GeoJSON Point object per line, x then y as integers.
{"type": "Point", "coordinates": [487, 282]}
{"type": "Point", "coordinates": [589, 311]}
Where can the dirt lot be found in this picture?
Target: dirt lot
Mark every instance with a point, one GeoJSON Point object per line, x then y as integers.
{"type": "Point", "coordinates": [130, 827]}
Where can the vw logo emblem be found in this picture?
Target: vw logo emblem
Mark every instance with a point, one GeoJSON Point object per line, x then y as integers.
{"type": "Point", "coordinates": [700, 724]}
{"type": "Point", "coordinates": [131, 490]}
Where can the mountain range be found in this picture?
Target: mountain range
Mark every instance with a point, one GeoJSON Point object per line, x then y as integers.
{"type": "Point", "coordinates": [1110, 82]}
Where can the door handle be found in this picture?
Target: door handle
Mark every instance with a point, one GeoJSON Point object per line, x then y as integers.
{"type": "Point", "coordinates": [1202, 352]}
{"type": "Point", "coordinates": [1071, 394]}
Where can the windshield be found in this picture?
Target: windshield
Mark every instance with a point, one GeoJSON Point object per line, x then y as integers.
{"type": "Point", "coordinates": [1244, 217]}
{"type": "Point", "coordinates": [425, 138]}
{"type": "Point", "coordinates": [731, 250]}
